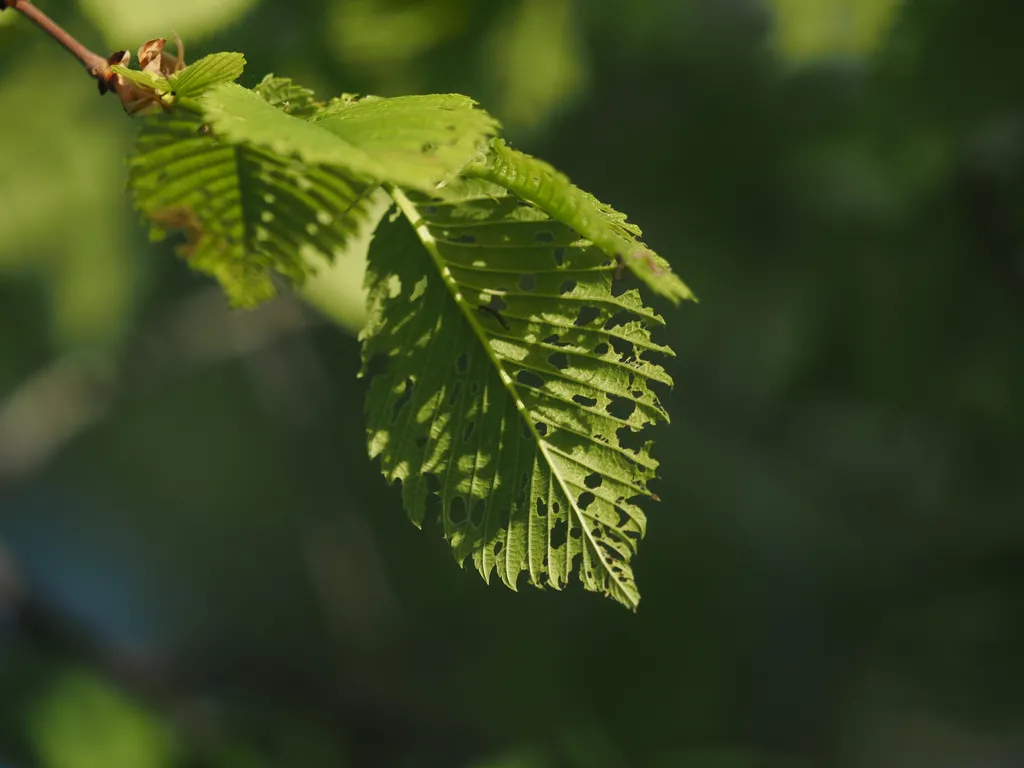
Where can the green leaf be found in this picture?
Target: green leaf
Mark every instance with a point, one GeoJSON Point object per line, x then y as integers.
{"type": "Point", "coordinates": [288, 96]}
{"type": "Point", "coordinates": [419, 141]}
{"type": "Point", "coordinates": [516, 423]}
{"type": "Point", "coordinates": [246, 213]}
{"type": "Point", "coordinates": [209, 71]}
{"type": "Point", "coordinates": [552, 192]}
{"type": "Point", "coordinates": [416, 142]}
{"type": "Point", "coordinates": [241, 116]}
{"type": "Point", "coordinates": [145, 79]}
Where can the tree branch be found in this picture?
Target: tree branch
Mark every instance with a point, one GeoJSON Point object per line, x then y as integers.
{"type": "Point", "coordinates": [97, 66]}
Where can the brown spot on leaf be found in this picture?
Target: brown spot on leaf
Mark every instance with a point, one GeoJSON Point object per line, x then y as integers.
{"type": "Point", "coordinates": [183, 218]}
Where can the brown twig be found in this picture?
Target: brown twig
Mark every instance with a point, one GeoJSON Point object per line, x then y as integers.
{"type": "Point", "coordinates": [96, 65]}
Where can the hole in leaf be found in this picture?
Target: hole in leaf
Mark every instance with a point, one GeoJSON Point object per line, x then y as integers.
{"type": "Point", "coordinates": [585, 500]}
{"type": "Point", "coordinates": [559, 256]}
{"type": "Point", "coordinates": [619, 287]}
{"type": "Point", "coordinates": [611, 553]}
{"type": "Point", "coordinates": [601, 349]}
{"type": "Point", "coordinates": [634, 535]}
{"type": "Point", "coordinates": [552, 339]}
{"type": "Point", "coordinates": [558, 534]}
{"type": "Point", "coordinates": [593, 480]}
{"type": "Point", "coordinates": [587, 315]}
{"type": "Point", "coordinates": [544, 237]}
{"type": "Point", "coordinates": [498, 547]}
{"type": "Point", "coordinates": [542, 508]}
{"type": "Point", "coordinates": [467, 433]}
{"type": "Point", "coordinates": [647, 355]}
{"type": "Point", "coordinates": [638, 394]}
{"type": "Point", "coordinates": [461, 363]}
{"type": "Point", "coordinates": [620, 407]}
{"type": "Point", "coordinates": [588, 402]}
{"type": "Point", "coordinates": [576, 570]}
{"type": "Point", "coordinates": [629, 439]}
{"type": "Point", "coordinates": [619, 318]}
{"type": "Point", "coordinates": [556, 508]}
{"type": "Point", "coordinates": [466, 238]}
{"type": "Point", "coordinates": [405, 397]}
{"type": "Point", "coordinates": [430, 210]}
{"type": "Point", "coordinates": [576, 533]}
{"type": "Point", "coordinates": [476, 516]}
{"type": "Point", "coordinates": [528, 282]}
{"type": "Point", "coordinates": [523, 203]}
{"type": "Point", "coordinates": [542, 428]}
{"type": "Point", "coordinates": [567, 287]}
{"type": "Point", "coordinates": [624, 517]}
{"type": "Point", "coordinates": [559, 360]}
{"type": "Point", "coordinates": [530, 379]}
{"type": "Point", "coordinates": [624, 349]}
{"type": "Point", "coordinates": [457, 511]}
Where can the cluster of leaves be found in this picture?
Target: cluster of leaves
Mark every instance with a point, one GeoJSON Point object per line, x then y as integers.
{"type": "Point", "coordinates": [512, 366]}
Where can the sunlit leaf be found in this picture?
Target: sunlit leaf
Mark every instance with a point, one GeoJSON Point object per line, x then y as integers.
{"type": "Point", "coordinates": [515, 382]}
{"type": "Point", "coordinates": [206, 73]}
{"type": "Point", "coordinates": [288, 96]}
{"type": "Point", "coordinates": [246, 214]}
{"type": "Point", "coordinates": [551, 191]}
{"type": "Point", "coordinates": [413, 141]}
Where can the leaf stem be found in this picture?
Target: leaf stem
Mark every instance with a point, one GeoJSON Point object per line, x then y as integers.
{"type": "Point", "coordinates": [94, 64]}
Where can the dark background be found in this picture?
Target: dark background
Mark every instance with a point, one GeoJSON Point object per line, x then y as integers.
{"type": "Point", "coordinates": [200, 567]}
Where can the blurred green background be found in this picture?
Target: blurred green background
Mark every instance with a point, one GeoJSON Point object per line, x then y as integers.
{"type": "Point", "coordinates": [200, 567]}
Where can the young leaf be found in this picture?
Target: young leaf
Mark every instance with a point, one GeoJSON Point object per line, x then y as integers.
{"type": "Point", "coordinates": [246, 212]}
{"type": "Point", "coordinates": [206, 73]}
{"type": "Point", "coordinates": [146, 80]}
{"type": "Point", "coordinates": [552, 192]}
{"type": "Point", "coordinates": [288, 96]}
{"type": "Point", "coordinates": [416, 142]}
{"type": "Point", "coordinates": [514, 382]}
